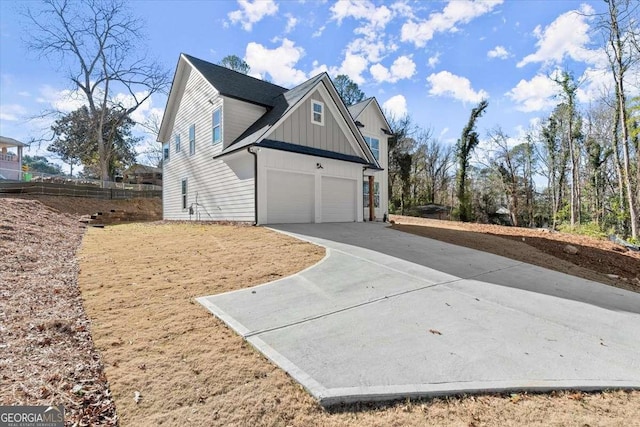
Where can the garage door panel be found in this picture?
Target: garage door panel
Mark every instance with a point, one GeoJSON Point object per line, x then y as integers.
{"type": "Point", "coordinates": [290, 197]}
{"type": "Point", "coordinates": [338, 199]}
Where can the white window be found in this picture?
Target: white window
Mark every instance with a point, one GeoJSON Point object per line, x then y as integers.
{"type": "Point", "coordinates": [192, 140]}
{"type": "Point", "coordinates": [177, 142]}
{"type": "Point", "coordinates": [217, 125]}
{"type": "Point", "coordinates": [374, 144]}
{"type": "Point", "coordinates": [376, 194]}
{"type": "Point", "coordinates": [184, 193]}
{"type": "Point", "coordinates": [317, 112]}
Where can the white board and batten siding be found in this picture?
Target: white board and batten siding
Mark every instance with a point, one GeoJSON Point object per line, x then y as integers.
{"type": "Point", "coordinates": [292, 188]}
{"type": "Point", "coordinates": [373, 123]}
{"type": "Point", "coordinates": [216, 190]}
{"type": "Point", "coordinates": [298, 129]}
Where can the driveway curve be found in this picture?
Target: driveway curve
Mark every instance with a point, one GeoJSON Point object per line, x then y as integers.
{"type": "Point", "coordinates": [388, 315]}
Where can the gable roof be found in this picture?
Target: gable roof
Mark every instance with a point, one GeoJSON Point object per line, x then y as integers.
{"type": "Point", "coordinates": [237, 85]}
{"type": "Point", "coordinates": [282, 105]}
{"type": "Point", "coordinates": [288, 101]}
{"type": "Point", "coordinates": [356, 109]}
{"type": "Point", "coordinates": [278, 101]}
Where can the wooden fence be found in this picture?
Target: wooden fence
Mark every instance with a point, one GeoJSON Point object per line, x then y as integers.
{"type": "Point", "coordinates": [54, 189]}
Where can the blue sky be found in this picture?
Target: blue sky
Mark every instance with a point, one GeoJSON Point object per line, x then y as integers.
{"type": "Point", "coordinates": [432, 60]}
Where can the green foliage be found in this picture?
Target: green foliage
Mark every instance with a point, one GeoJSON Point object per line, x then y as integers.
{"type": "Point", "coordinates": [235, 63]}
{"type": "Point", "coordinates": [468, 141]}
{"type": "Point", "coordinates": [348, 90]}
{"type": "Point", "coordinates": [634, 118]}
{"type": "Point", "coordinates": [75, 142]}
{"type": "Point", "coordinates": [41, 164]}
{"type": "Point", "coordinates": [590, 229]}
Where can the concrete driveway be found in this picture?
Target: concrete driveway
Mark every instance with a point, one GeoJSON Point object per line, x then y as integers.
{"type": "Point", "coordinates": [389, 315]}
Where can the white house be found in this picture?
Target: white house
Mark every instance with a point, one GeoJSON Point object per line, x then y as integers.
{"type": "Point", "coordinates": [11, 158]}
{"type": "Point", "coordinates": [238, 148]}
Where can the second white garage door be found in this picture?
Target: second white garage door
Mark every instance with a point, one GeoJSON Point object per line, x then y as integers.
{"type": "Point", "coordinates": [290, 197]}
{"type": "Point", "coordinates": [338, 199]}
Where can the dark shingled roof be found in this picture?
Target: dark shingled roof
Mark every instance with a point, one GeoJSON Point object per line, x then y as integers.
{"type": "Point", "coordinates": [276, 99]}
{"type": "Point", "coordinates": [237, 85]}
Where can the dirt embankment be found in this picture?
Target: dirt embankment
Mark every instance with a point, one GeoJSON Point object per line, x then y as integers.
{"type": "Point", "coordinates": [595, 259]}
{"type": "Point", "coordinates": [47, 355]}
{"type": "Point", "coordinates": [145, 209]}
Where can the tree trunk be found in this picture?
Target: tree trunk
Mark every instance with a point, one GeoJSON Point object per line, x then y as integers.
{"type": "Point", "coordinates": [619, 69]}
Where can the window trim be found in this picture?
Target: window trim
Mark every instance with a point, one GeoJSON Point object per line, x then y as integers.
{"type": "Point", "coordinates": [214, 126]}
{"type": "Point", "coordinates": [176, 140]}
{"type": "Point", "coordinates": [313, 112]}
{"type": "Point", "coordinates": [192, 139]}
{"type": "Point", "coordinates": [376, 194]}
{"type": "Point", "coordinates": [184, 193]}
{"type": "Point", "coordinates": [375, 152]}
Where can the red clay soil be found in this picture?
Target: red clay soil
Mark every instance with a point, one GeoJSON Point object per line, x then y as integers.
{"type": "Point", "coordinates": [596, 259]}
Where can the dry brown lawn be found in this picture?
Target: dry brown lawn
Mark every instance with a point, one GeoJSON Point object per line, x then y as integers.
{"type": "Point", "coordinates": [138, 284]}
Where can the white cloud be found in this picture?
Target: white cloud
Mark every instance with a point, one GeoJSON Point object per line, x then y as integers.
{"type": "Point", "coordinates": [402, 68]}
{"type": "Point", "coordinates": [64, 100]}
{"type": "Point", "coordinates": [456, 12]}
{"type": "Point", "coordinates": [395, 107]}
{"type": "Point", "coordinates": [373, 20]}
{"type": "Point", "coordinates": [567, 36]}
{"type": "Point", "coordinates": [377, 17]}
{"type": "Point", "coordinates": [292, 21]}
{"type": "Point", "coordinates": [445, 83]}
{"type": "Point", "coordinates": [401, 8]}
{"type": "Point", "coordinates": [434, 60]}
{"type": "Point", "coordinates": [279, 63]}
{"type": "Point", "coordinates": [537, 94]}
{"type": "Point", "coordinates": [371, 49]}
{"type": "Point", "coordinates": [353, 66]}
{"type": "Point", "coordinates": [24, 93]}
{"type": "Point", "coordinates": [252, 12]}
{"type": "Point", "coordinates": [318, 32]}
{"type": "Point", "coordinates": [141, 114]}
{"type": "Point", "coordinates": [318, 68]}
{"type": "Point", "coordinates": [12, 112]}
{"type": "Point", "coordinates": [498, 52]}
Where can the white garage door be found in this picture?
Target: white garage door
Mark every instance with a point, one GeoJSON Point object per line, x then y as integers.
{"type": "Point", "coordinates": [338, 199]}
{"type": "Point", "coordinates": [290, 197]}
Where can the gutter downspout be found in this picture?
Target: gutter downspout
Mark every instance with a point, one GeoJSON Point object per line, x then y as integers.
{"type": "Point", "coordinates": [255, 181]}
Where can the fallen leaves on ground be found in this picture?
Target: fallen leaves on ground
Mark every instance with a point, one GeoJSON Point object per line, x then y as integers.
{"type": "Point", "coordinates": [47, 356]}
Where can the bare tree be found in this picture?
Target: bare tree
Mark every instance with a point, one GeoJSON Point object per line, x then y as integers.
{"type": "Point", "coordinates": [620, 29]}
{"type": "Point", "coordinates": [97, 44]}
{"type": "Point", "coordinates": [569, 89]}
{"type": "Point", "coordinates": [507, 165]}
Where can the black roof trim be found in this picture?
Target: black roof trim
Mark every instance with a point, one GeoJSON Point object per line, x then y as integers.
{"type": "Point", "coordinates": [301, 149]}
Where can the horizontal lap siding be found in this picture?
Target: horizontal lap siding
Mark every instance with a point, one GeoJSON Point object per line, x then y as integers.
{"type": "Point", "coordinates": [240, 115]}
{"type": "Point", "coordinates": [223, 191]}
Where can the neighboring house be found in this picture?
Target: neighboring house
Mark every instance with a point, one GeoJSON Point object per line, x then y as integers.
{"type": "Point", "coordinates": [236, 148]}
{"type": "Point", "coordinates": [141, 174]}
{"type": "Point", "coordinates": [11, 158]}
